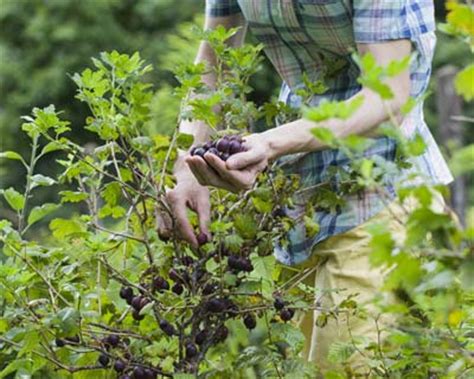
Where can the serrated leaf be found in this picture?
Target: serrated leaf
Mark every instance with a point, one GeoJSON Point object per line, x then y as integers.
{"type": "Point", "coordinates": [15, 199]}
{"type": "Point", "coordinates": [63, 228]}
{"type": "Point", "coordinates": [37, 213]}
{"type": "Point", "coordinates": [72, 197]}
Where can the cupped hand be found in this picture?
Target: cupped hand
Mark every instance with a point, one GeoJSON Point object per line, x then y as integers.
{"type": "Point", "coordinates": [238, 173]}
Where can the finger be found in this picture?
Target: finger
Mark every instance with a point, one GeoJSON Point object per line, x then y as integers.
{"type": "Point", "coordinates": [212, 177]}
{"type": "Point", "coordinates": [203, 210]}
{"type": "Point", "coordinates": [164, 224]}
{"type": "Point", "coordinates": [184, 226]}
{"type": "Point", "coordinates": [234, 177]}
{"type": "Point", "coordinates": [241, 160]}
{"type": "Point", "coordinates": [191, 162]}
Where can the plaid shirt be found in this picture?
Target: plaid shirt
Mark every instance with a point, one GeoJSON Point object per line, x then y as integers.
{"type": "Point", "coordinates": [317, 37]}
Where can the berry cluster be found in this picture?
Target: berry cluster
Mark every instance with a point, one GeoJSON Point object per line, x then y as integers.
{"type": "Point", "coordinates": [223, 147]}
{"type": "Point", "coordinates": [286, 314]}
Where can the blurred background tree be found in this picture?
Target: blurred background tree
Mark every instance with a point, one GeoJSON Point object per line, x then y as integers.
{"type": "Point", "coordinates": [44, 41]}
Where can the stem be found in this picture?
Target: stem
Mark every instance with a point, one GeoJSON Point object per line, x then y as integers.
{"type": "Point", "coordinates": [29, 174]}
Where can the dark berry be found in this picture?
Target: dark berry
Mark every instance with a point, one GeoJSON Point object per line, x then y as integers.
{"type": "Point", "coordinates": [126, 293]}
{"type": "Point", "coordinates": [191, 350]}
{"type": "Point", "coordinates": [125, 377]}
{"type": "Point", "coordinates": [201, 337]}
{"type": "Point", "coordinates": [193, 150]}
{"type": "Point", "coordinates": [225, 156]}
{"type": "Point", "coordinates": [216, 305]}
{"type": "Point", "coordinates": [250, 321]}
{"type": "Point", "coordinates": [60, 342]}
{"type": "Point", "coordinates": [149, 373]}
{"type": "Point", "coordinates": [137, 316]}
{"type": "Point", "coordinates": [160, 284]}
{"type": "Point", "coordinates": [199, 152]}
{"type": "Point", "coordinates": [209, 288]}
{"type": "Point", "coordinates": [138, 373]}
{"type": "Point", "coordinates": [234, 262]}
{"type": "Point", "coordinates": [246, 265]}
{"type": "Point", "coordinates": [221, 333]}
{"type": "Point", "coordinates": [223, 145]}
{"type": "Point", "coordinates": [279, 304]}
{"type": "Point", "coordinates": [187, 260]}
{"type": "Point", "coordinates": [104, 360]}
{"type": "Point", "coordinates": [119, 365]}
{"type": "Point", "coordinates": [278, 212]}
{"type": "Point", "coordinates": [202, 239]}
{"type": "Point", "coordinates": [178, 289]}
{"type": "Point", "coordinates": [214, 151]}
{"type": "Point", "coordinates": [207, 145]}
{"type": "Point", "coordinates": [234, 147]}
{"type": "Point", "coordinates": [136, 302]}
{"type": "Point", "coordinates": [174, 275]}
{"type": "Point", "coordinates": [286, 314]}
{"type": "Point", "coordinates": [112, 340]}
{"type": "Point", "coordinates": [167, 327]}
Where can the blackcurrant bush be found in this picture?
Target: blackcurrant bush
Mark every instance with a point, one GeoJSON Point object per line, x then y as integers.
{"type": "Point", "coordinates": [119, 365]}
{"type": "Point", "coordinates": [126, 293]}
{"type": "Point", "coordinates": [112, 340]}
{"type": "Point", "coordinates": [104, 360]}
{"type": "Point", "coordinates": [250, 321]}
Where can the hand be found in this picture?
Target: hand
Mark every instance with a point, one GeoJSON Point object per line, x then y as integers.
{"type": "Point", "coordinates": [187, 193]}
{"type": "Point", "coordinates": [239, 172]}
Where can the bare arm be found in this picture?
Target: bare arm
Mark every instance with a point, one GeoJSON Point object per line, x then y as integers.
{"type": "Point", "coordinates": [240, 171]}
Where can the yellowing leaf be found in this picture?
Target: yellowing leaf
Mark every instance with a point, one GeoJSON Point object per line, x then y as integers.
{"type": "Point", "coordinates": [455, 317]}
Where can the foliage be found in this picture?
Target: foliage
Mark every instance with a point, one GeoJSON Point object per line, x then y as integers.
{"type": "Point", "coordinates": [105, 292]}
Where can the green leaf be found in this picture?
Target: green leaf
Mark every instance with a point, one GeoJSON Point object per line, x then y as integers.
{"type": "Point", "coordinates": [464, 83]}
{"type": "Point", "coordinates": [12, 155]}
{"type": "Point", "coordinates": [14, 198]}
{"type": "Point", "coordinates": [184, 141]}
{"type": "Point", "coordinates": [462, 160]}
{"type": "Point", "coordinates": [37, 213]}
{"type": "Point", "coordinates": [63, 228]}
{"type": "Point", "coordinates": [72, 197]}
{"type": "Point", "coordinates": [52, 146]}
{"type": "Point", "coordinates": [111, 193]}
{"type": "Point", "coordinates": [41, 180]}
{"type": "Point", "coordinates": [282, 332]}
{"type": "Point", "coordinates": [245, 226]}
{"type": "Point", "coordinates": [324, 135]}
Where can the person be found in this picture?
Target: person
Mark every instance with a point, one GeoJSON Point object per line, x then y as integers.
{"type": "Point", "coordinates": [316, 38]}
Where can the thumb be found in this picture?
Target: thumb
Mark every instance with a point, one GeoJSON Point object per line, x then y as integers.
{"type": "Point", "coordinates": [242, 160]}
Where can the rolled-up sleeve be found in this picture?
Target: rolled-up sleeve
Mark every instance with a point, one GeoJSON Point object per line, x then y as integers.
{"type": "Point", "coordinates": [222, 8]}
{"type": "Point", "coordinates": [384, 20]}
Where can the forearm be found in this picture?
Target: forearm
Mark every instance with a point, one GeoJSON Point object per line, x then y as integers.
{"type": "Point", "coordinates": [296, 136]}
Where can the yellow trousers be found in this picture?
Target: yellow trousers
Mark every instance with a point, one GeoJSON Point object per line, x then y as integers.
{"type": "Point", "coordinates": [342, 268]}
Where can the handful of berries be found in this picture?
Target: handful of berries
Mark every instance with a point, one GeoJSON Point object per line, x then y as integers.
{"type": "Point", "coordinates": [223, 147]}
